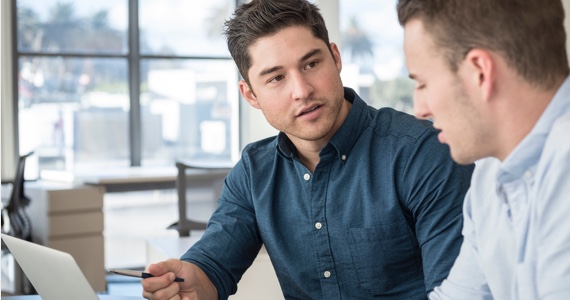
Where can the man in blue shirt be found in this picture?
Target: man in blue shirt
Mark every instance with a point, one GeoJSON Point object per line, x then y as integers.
{"type": "Point", "coordinates": [350, 202]}
{"type": "Point", "coordinates": [493, 76]}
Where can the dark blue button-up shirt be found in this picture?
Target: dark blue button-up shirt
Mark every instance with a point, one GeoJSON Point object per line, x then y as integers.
{"type": "Point", "coordinates": [379, 218]}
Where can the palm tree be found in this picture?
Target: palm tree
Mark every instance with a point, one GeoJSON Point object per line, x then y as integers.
{"type": "Point", "coordinates": [29, 29]}
{"type": "Point", "coordinates": [100, 20]}
{"type": "Point", "coordinates": [357, 40]}
{"type": "Point", "coordinates": [63, 30]}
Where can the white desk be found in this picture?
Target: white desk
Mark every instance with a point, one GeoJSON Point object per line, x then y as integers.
{"type": "Point", "coordinates": [101, 297]}
{"type": "Point", "coordinates": [258, 283]}
{"type": "Point", "coordinates": [134, 178]}
{"type": "Point", "coordinates": [119, 179]}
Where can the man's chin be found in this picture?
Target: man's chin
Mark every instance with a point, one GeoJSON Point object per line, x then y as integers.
{"type": "Point", "coordinates": [461, 159]}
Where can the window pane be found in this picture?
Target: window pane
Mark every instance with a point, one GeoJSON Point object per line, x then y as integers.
{"type": "Point", "coordinates": [372, 53]}
{"type": "Point", "coordinates": [73, 112]}
{"type": "Point", "coordinates": [187, 28]}
{"type": "Point", "coordinates": [189, 110]}
{"type": "Point", "coordinates": [72, 26]}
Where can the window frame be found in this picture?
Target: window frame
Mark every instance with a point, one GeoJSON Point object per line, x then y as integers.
{"type": "Point", "coordinates": [133, 57]}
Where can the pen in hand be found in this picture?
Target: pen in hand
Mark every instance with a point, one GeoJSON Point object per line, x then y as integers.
{"type": "Point", "coordinates": [139, 274]}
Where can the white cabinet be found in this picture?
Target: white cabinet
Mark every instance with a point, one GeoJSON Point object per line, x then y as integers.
{"type": "Point", "coordinates": [69, 218]}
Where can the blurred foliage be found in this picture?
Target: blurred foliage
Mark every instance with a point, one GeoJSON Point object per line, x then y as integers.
{"type": "Point", "coordinates": [64, 30]}
{"type": "Point", "coordinates": [396, 93]}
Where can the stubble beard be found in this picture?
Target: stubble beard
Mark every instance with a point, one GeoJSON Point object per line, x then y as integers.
{"type": "Point", "coordinates": [328, 121]}
{"type": "Point", "coordinates": [468, 149]}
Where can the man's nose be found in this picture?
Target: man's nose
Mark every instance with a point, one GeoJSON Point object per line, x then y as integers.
{"type": "Point", "coordinates": [421, 109]}
{"type": "Point", "coordinates": [301, 87]}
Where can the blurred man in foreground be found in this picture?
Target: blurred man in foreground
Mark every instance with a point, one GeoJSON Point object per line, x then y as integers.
{"type": "Point", "coordinates": [493, 76]}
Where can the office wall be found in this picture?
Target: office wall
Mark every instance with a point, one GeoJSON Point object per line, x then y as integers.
{"type": "Point", "coordinates": [7, 152]}
{"type": "Point", "coordinates": [1, 83]}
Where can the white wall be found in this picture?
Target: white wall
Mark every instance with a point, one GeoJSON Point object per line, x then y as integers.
{"type": "Point", "coordinates": [253, 124]}
{"type": "Point", "coordinates": [6, 117]}
{"type": "Point", "coordinates": [1, 102]}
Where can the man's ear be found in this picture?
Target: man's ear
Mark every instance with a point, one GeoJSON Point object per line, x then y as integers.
{"type": "Point", "coordinates": [481, 68]}
{"type": "Point", "coordinates": [248, 94]}
{"type": "Point", "coordinates": [336, 56]}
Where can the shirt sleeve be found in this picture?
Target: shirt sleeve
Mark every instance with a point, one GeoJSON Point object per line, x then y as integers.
{"type": "Point", "coordinates": [466, 279]}
{"type": "Point", "coordinates": [232, 226]}
{"type": "Point", "coordinates": [553, 211]}
{"type": "Point", "coordinates": [434, 189]}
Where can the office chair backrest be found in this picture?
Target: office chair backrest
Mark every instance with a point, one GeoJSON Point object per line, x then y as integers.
{"type": "Point", "coordinates": [14, 215]}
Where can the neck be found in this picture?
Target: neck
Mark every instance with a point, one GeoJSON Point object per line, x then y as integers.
{"type": "Point", "coordinates": [518, 114]}
{"type": "Point", "coordinates": [309, 155]}
{"type": "Point", "coordinates": [309, 150]}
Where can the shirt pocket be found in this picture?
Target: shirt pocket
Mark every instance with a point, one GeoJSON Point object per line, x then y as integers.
{"type": "Point", "coordinates": [384, 259]}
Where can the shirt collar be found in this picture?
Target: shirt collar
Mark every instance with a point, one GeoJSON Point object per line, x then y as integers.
{"type": "Point", "coordinates": [285, 146]}
{"type": "Point", "coordinates": [347, 135]}
{"type": "Point", "coordinates": [345, 138]}
{"type": "Point", "coordinates": [526, 154]}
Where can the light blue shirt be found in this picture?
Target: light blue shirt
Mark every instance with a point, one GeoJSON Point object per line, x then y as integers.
{"type": "Point", "coordinates": [517, 218]}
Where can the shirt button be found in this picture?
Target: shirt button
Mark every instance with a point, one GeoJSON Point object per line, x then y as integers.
{"type": "Point", "coordinates": [318, 225]}
{"type": "Point", "coordinates": [327, 274]}
{"type": "Point", "coordinates": [343, 157]}
{"type": "Point", "coordinates": [307, 176]}
{"type": "Point", "coordinates": [528, 174]}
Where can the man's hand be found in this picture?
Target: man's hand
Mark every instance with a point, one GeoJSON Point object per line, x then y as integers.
{"type": "Point", "coordinates": [196, 284]}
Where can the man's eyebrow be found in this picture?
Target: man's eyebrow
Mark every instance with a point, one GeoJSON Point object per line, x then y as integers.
{"type": "Point", "coordinates": [412, 76]}
{"type": "Point", "coordinates": [311, 53]}
{"type": "Point", "coordinates": [276, 68]}
{"type": "Point", "coordinates": [269, 70]}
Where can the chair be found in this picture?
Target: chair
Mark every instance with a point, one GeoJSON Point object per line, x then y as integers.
{"type": "Point", "coordinates": [196, 176]}
{"type": "Point", "coordinates": [15, 220]}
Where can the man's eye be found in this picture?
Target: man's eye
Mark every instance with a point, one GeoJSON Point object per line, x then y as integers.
{"type": "Point", "coordinates": [277, 78]}
{"type": "Point", "coordinates": [312, 64]}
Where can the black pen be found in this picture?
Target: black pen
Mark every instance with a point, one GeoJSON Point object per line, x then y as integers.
{"type": "Point", "coordinates": [139, 274]}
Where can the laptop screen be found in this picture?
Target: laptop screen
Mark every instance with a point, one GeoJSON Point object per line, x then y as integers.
{"type": "Point", "coordinates": [54, 274]}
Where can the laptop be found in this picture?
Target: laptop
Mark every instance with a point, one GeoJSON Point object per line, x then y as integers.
{"type": "Point", "coordinates": [54, 274]}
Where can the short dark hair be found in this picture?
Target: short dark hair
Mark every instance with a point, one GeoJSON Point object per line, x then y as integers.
{"type": "Point", "coordinates": [261, 18]}
{"type": "Point", "coordinates": [529, 34]}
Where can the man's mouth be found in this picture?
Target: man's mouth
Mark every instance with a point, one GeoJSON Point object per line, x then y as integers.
{"type": "Point", "coordinates": [440, 134]}
{"type": "Point", "coordinates": [309, 110]}
{"type": "Point", "coordinates": [441, 137]}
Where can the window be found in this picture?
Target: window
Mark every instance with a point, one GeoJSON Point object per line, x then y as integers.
{"type": "Point", "coordinates": [372, 53]}
{"type": "Point", "coordinates": [117, 83]}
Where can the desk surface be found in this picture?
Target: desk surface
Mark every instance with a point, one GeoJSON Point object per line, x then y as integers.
{"type": "Point", "coordinates": [112, 176]}
{"type": "Point", "coordinates": [133, 178]}
{"type": "Point", "coordinates": [132, 174]}
{"type": "Point", "coordinates": [101, 297]}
